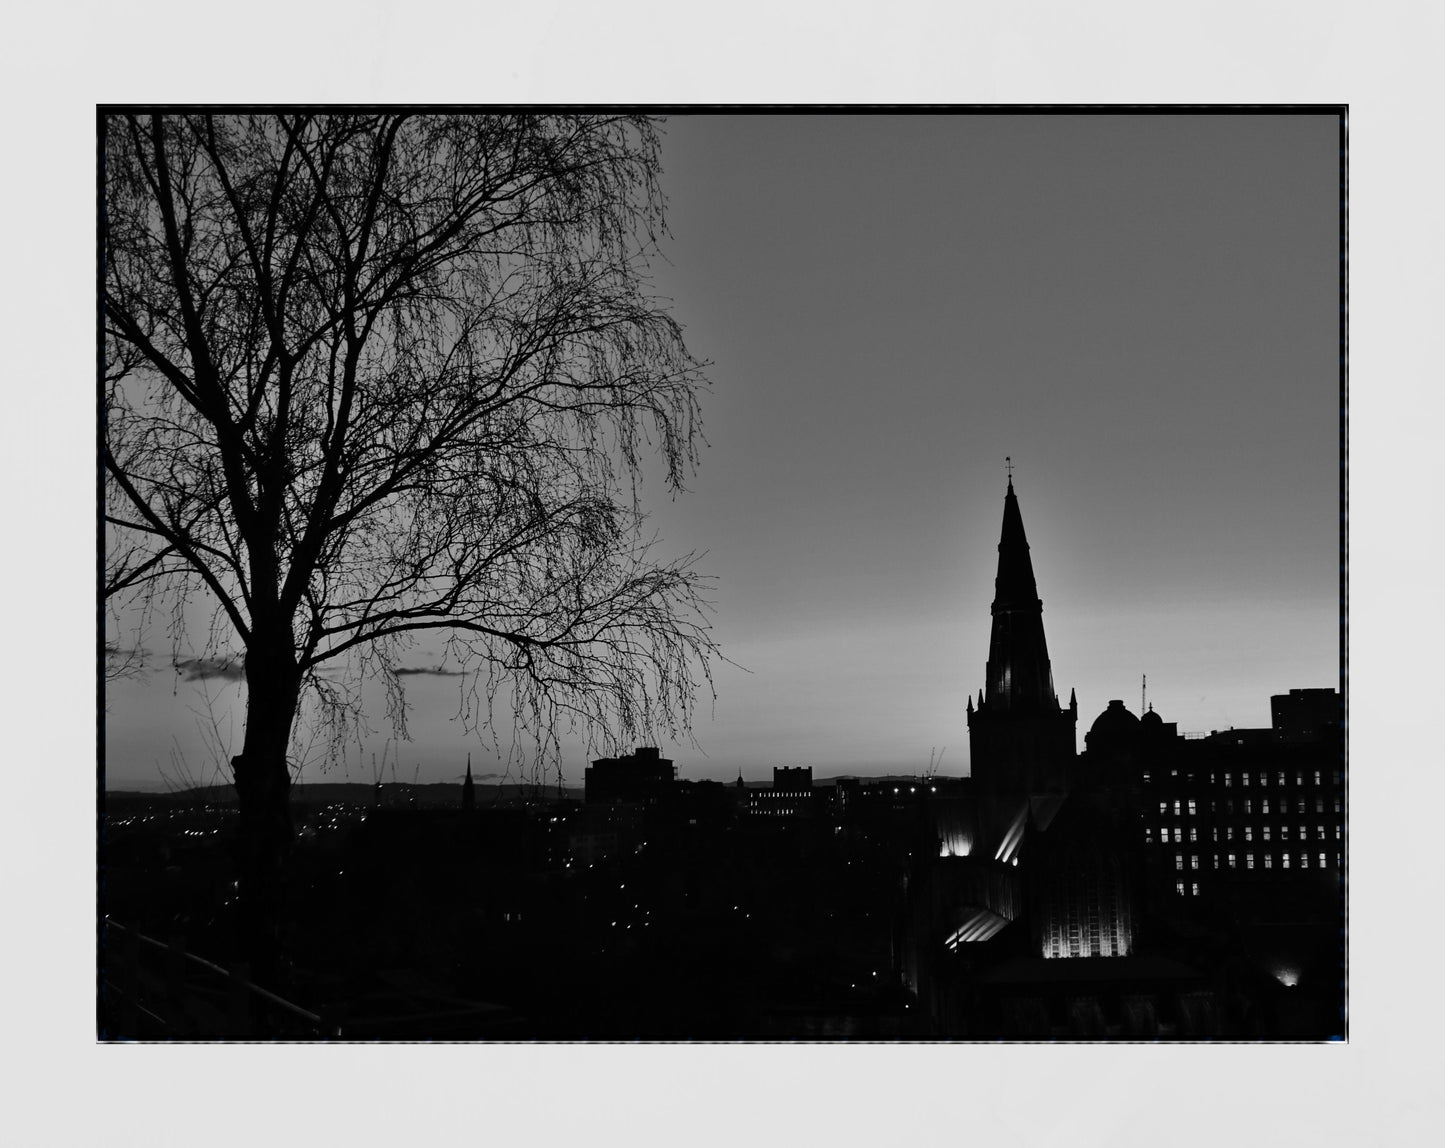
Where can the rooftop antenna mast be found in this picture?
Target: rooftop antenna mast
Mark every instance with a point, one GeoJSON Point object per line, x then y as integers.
{"type": "Point", "coordinates": [1143, 692]}
{"type": "Point", "coordinates": [1008, 463]}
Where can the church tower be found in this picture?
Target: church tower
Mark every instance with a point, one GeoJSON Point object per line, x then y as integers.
{"type": "Point", "coordinates": [1021, 741]}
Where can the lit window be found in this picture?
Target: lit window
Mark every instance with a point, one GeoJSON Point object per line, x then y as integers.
{"type": "Point", "coordinates": [1301, 804]}
{"type": "Point", "coordinates": [1249, 860]}
{"type": "Point", "coordinates": [1248, 833]}
{"type": "Point", "coordinates": [1179, 860]}
{"type": "Point", "coordinates": [1231, 861]}
{"type": "Point", "coordinates": [1178, 835]}
{"type": "Point", "coordinates": [1319, 804]}
{"type": "Point", "coordinates": [1284, 860]}
{"type": "Point", "coordinates": [1317, 777]}
{"type": "Point", "coordinates": [1146, 777]}
{"type": "Point", "coordinates": [1194, 860]}
{"type": "Point", "coordinates": [1322, 860]}
{"type": "Point", "coordinates": [1229, 832]}
{"type": "Point", "coordinates": [1338, 832]}
{"type": "Point", "coordinates": [1176, 809]}
{"type": "Point", "coordinates": [1337, 805]}
{"type": "Point", "coordinates": [1179, 888]}
{"type": "Point", "coordinates": [1164, 809]}
{"type": "Point", "coordinates": [1319, 832]}
{"type": "Point", "coordinates": [1148, 835]}
{"type": "Point", "coordinates": [1264, 833]}
{"type": "Point", "coordinates": [1194, 834]}
{"type": "Point", "coordinates": [1284, 832]}
{"type": "Point", "coordinates": [1228, 780]}
{"type": "Point", "coordinates": [1191, 807]}
{"type": "Point", "coordinates": [1269, 860]}
{"type": "Point", "coordinates": [1264, 805]}
{"type": "Point", "coordinates": [1196, 888]}
{"type": "Point", "coordinates": [1244, 780]}
{"type": "Point", "coordinates": [1216, 860]}
{"type": "Point", "coordinates": [1279, 779]}
{"type": "Point", "coordinates": [1214, 834]}
{"type": "Point", "coordinates": [1248, 806]}
{"type": "Point", "coordinates": [1304, 832]}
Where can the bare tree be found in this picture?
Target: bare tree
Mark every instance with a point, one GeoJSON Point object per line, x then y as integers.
{"type": "Point", "coordinates": [372, 375]}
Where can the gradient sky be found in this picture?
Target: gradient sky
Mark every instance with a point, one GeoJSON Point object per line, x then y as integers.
{"type": "Point", "coordinates": [1142, 310]}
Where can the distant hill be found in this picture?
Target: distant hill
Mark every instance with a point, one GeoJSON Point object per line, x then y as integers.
{"type": "Point", "coordinates": [433, 796]}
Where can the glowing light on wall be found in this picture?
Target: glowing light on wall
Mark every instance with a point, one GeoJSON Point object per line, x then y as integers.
{"type": "Point", "coordinates": [1009, 846]}
{"type": "Point", "coordinates": [1286, 975]}
{"type": "Point", "coordinates": [956, 843]}
{"type": "Point", "coordinates": [980, 927]}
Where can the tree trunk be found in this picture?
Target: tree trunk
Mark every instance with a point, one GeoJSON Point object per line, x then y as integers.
{"type": "Point", "coordinates": [263, 787]}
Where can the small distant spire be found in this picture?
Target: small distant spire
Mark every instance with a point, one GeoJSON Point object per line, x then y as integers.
{"type": "Point", "coordinates": [970, 703]}
{"type": "Point", "coordinates": [1008, 463]}
{"type": "Point", "coordinates": [1073, 701]}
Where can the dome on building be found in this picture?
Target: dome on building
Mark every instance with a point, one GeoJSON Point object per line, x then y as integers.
{"type": "Point", "coordinates": [1151, 718]}
{"type": "Point", "coordinates": [1113, 721]}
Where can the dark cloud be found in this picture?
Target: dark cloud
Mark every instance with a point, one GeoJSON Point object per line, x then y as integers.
{"type": "Point", "coordinates": [198, 669]}
{"type": "Point", "coordinates": [431, 671]}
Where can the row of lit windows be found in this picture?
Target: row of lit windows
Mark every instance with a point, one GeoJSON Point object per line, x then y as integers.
{"type": "Point", "coordinates": [1175, 833]}
{"type": "Point", "coordinates": [1280, 778]}
{"type": "Point", "coordinates": [1261, 777]}
{"type": "Point", "coordinates": [1279, 805]}
{"type": "Point", "coordinates": [1267, 860]}
{"type": "Point", "coordinates": [1232, 860]}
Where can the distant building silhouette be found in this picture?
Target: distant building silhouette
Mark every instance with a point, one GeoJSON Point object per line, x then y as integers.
{"type": "Point", "coordinates": [469, 791]}
{"type": "Point", "coordinates": [791, 794]}
{"type": "Point", "coordinates": [642, 776]}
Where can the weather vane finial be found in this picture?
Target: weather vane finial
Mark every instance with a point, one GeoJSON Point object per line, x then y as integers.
{"type": "Point", "coordinates": [1008, 463]}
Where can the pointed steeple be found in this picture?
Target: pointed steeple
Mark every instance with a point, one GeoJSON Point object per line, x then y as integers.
{"type": "Point", "coordinates": [469, 793]}
{"type": "Point", "coordinates": [1018, 675]}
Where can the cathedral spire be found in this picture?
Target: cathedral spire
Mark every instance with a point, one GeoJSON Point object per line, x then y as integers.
{"type": "Point", "coordinates": [1018, 674]}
